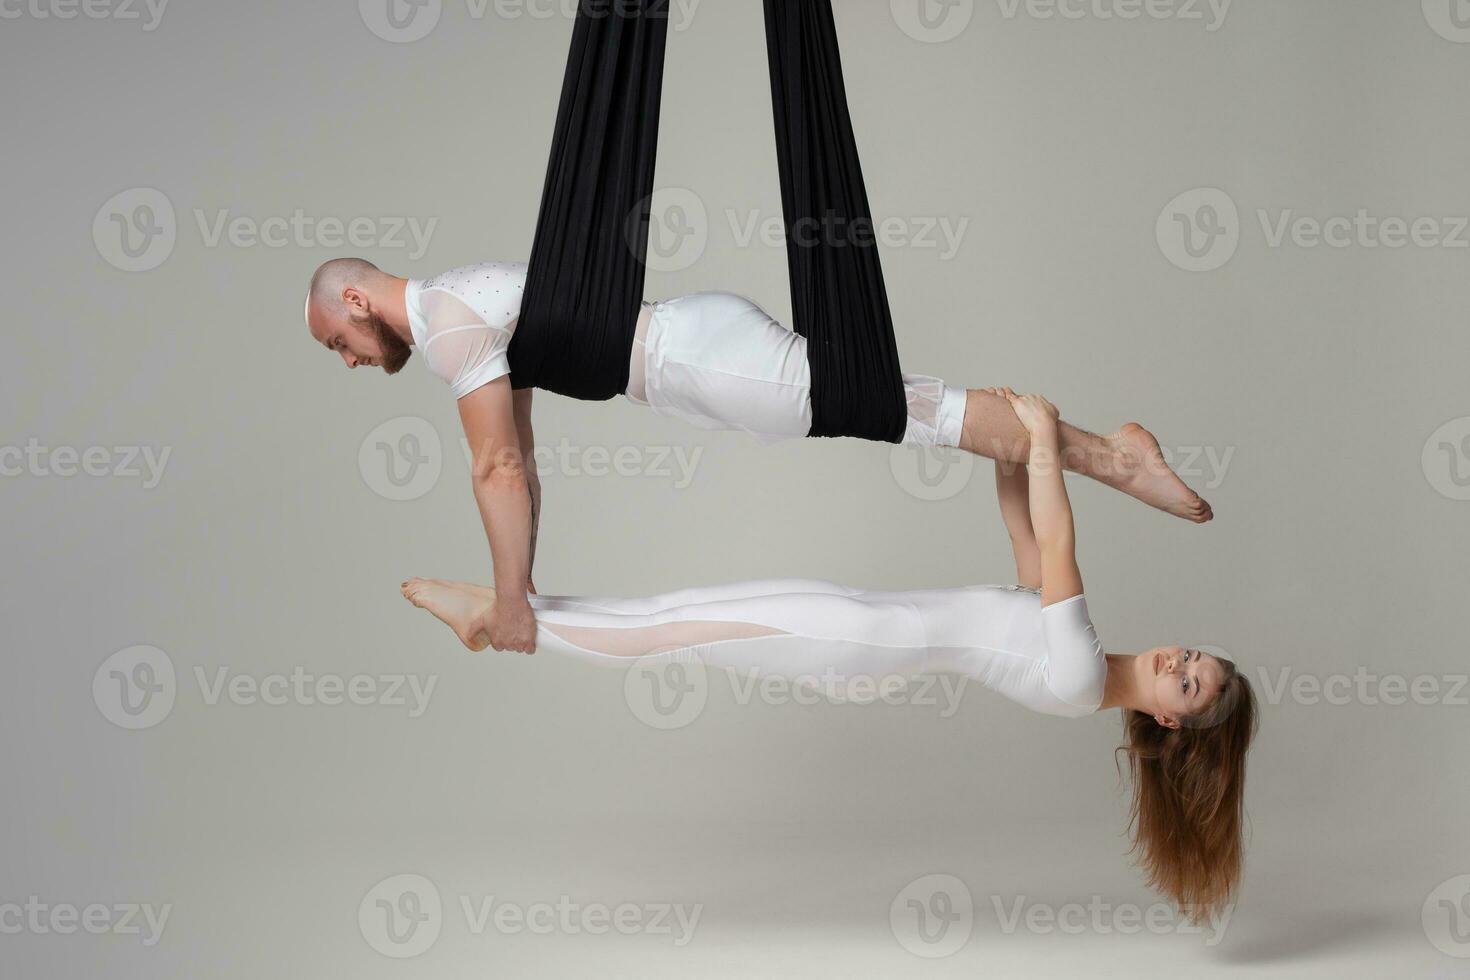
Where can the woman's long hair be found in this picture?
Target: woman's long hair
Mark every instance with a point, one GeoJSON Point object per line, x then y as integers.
{"type": "Point", "coordinates": [1188, 813]}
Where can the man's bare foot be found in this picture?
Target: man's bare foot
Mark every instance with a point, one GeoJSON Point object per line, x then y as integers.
{"type": "Point", "coordinates": [1144, 474]}
{"type": "Point", "coordinates": [454, 604]}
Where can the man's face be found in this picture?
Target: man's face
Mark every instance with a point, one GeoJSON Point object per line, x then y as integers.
{"type": "Point", "coordinates": [361, 338]}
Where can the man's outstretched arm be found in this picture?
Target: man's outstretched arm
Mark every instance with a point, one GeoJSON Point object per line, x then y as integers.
{"type": "Point", "coordinates": [503, 494]}
{"type": "Point", "coordinates": [522, 401]}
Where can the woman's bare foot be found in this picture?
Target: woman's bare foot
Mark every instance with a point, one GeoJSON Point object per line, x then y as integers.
{"type": "Point", "coordinates": [1143, 473]}
{"type": "Point", "coordinates": [458, 605]}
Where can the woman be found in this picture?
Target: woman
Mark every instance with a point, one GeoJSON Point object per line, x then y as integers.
{"type": "Point", "coordinates": [1188, 716]}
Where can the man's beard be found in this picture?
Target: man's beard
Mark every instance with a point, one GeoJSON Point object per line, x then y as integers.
{"type": "Point", "coordinates": [395, 352]}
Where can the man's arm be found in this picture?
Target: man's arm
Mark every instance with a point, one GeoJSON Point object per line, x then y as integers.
{"type": "Point", "coordinates": [504, 498]}
{"type": "Point", "coordinates": [522, 401]}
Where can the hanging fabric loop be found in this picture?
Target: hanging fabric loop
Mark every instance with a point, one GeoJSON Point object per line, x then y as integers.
{"type": "Point", "coordinates": [585, 283]}
{"type": "Point", "coordinates": [584, 287]}
{"type": "Point", "coordinates": [838, 298]}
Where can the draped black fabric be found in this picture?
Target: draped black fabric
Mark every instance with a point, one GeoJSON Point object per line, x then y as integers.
{"type": "Point", "coordinates": [838, 298]}
{"type": "Point", "coordinates": [586, 276]}
{"type": "Point", "coordinates": [585, 283]}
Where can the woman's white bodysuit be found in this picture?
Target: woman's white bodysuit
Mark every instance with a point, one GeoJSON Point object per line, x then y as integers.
{"type": "Point", "coordinates": [1046, 659]}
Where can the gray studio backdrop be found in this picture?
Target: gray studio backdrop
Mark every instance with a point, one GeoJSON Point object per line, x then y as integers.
{"type": "Point", "coordinates": [231, 748]}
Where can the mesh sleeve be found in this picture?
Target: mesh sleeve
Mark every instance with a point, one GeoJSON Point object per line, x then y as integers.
{"type": "Point", "coordinates": [462, 349]}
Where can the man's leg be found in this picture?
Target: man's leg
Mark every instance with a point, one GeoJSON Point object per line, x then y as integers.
{"type": "Point", "coordinates": [1130, 460]}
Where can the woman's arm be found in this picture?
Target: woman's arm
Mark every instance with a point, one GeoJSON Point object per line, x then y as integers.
{"type": "Point", "coordinates": [1012, 490]}
{"type": "Point", "coordinates": [1051, 511]}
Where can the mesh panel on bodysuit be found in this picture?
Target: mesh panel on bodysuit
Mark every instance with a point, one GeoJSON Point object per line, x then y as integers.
{"type": "Point", "coordinates": [641, 641]}
{"type": "Point", "coordinates": [924, 396]}
{"type": "Point", "coordinates": [637, 384]}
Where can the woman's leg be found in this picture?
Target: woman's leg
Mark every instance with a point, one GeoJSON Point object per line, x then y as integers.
{"type": "Point", "coordinates": [794, 635]}
{"type": "Point", "coordinates": [680, 597]}
{"type": "Point", "coordinates": [619, 627]}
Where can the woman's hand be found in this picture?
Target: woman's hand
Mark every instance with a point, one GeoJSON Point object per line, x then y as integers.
{"type": "Point", "coordinates": [1036, 413]}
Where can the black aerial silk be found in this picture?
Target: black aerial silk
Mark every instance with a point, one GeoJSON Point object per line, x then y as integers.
{"type": "Point", "coordinates": [584, 287]}
{"type": "Point", "coordinates": [585, 284]}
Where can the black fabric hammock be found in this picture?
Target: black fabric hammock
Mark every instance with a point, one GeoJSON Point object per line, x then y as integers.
{"type": "Point", "coordinates": [585, 284]}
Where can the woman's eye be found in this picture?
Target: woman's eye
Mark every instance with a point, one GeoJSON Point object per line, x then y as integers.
{"type": "Point", "coordinates": [1186, 685]}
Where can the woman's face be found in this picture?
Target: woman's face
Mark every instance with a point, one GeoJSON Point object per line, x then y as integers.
{"type": "Point", "coordinates": [1183, 682]}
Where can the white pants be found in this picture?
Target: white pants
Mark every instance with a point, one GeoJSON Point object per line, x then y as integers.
{"type": "Point", "coordinates": [717, 361]}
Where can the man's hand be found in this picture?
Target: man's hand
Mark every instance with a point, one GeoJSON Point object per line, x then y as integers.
{"type": "Point", "coordinates": [512, 627]}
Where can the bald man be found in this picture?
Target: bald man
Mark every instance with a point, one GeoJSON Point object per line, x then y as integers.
{"type": "Point", "coordinates": [714, 360]}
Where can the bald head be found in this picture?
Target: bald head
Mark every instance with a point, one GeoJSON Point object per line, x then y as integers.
{"type": "Point", "coordinates": [356, 309]}
{"type": "Point", "coordinates": [333, 278]}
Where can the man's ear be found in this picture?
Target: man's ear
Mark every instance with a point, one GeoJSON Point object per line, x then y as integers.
{"type": "Point", "coordinates": [1166, 721]}
{"type": "Point", "coordinates": [354, 299]}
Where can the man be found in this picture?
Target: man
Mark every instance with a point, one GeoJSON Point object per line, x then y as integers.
{"type": "Point", "coordinates": [714, 359]}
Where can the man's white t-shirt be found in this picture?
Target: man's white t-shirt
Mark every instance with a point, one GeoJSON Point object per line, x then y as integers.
{"type": "Point", "coordinates": [462, 321]}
